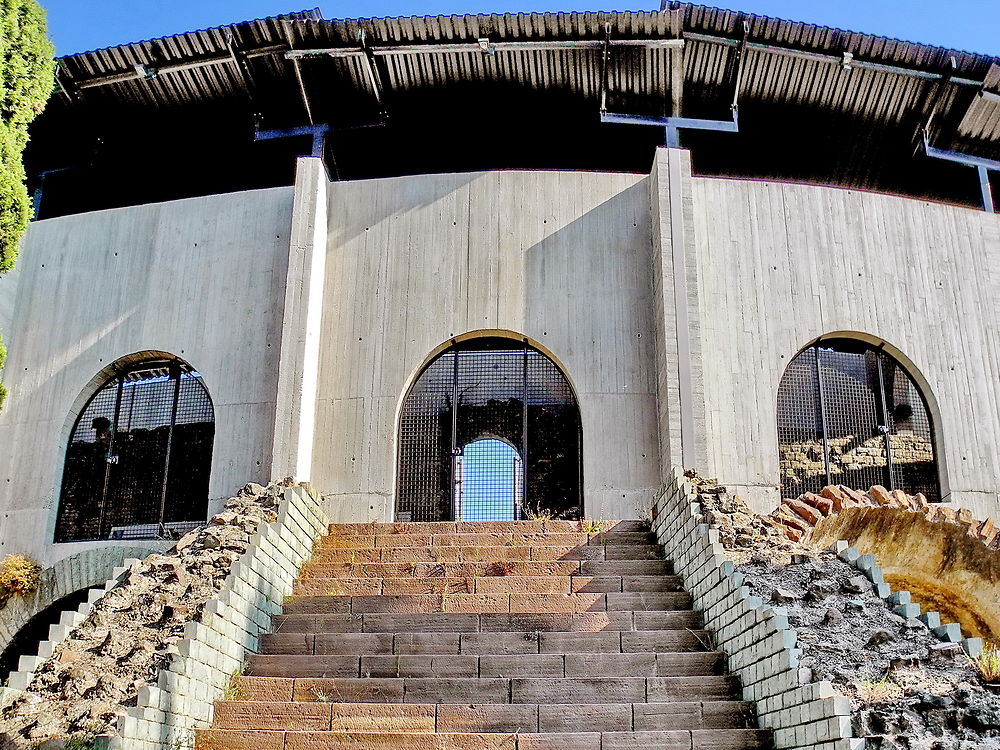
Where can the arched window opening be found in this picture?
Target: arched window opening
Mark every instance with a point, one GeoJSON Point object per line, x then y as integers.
{"type": "Point", "coordinates": [510, 447]}
{"type": "Point", "coordinates": [139, 456]}
{"type": "Point", "coordinates": [849, 413]}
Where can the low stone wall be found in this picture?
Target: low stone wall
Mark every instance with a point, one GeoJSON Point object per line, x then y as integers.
{"type": "Point", "coordinates": [801, 515]}
{"type": "Point", "coordinates": [756, 638]}
{"type": "Point", "coordinates": [213, 649]}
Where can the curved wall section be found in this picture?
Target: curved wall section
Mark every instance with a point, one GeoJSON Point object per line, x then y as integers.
{"type": "Point", "coordinates": [789, 263]}
{"type": "Point", "coordinates": [201, 278]}
{"type": "Point", "coordinates": [563, 258]}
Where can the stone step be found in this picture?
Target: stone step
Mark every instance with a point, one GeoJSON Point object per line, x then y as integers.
{"type": "Point", "coordinates": [498, 569]}
{"type": "Point", "coordinates": [509, 717]}
{"type": "Point", "coordinates": [315, 587]}
{"type": "Point", "coordinates": [464, 690]}
{"type": "Point", "coordinates": [519, 642]}
{"type": "Point", "coordinates": [330, 602]}
{"type": "Point", "coordinates": [448, 622]}
{"type": "Point", "coordinates": [485, 527]}
{"type": "Point", "coordinates": [497, 539]}
{"type": "Point", "coordinates": [503, 665]}
{"type": "Point", "coordinates": [328, 554]}
{"type": "Point", "coordinates": [699, 739]}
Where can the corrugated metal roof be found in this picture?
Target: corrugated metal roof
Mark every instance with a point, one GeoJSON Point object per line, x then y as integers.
{"type": "Point", "coordinates": [803, 71]}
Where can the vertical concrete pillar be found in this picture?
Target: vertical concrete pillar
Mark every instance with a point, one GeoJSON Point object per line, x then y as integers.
{"type": "Point", "coordinates": [298, 357]}
{"type": "Point", "coordinates": [680, 387]}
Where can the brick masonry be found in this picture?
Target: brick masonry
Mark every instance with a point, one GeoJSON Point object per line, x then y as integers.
{"type": "Point", "coordinates": [800, 515]}
{"type": "Point", "coordinates": [214, 649]}
{"type": "Point", "coordinates": [757, 640]}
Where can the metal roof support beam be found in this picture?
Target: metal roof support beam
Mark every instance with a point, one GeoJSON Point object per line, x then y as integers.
{"type": "Point", "coordinates": [318, 133]}
{"type": "Point", "coordinates": [149, 71]}
{"type": "Point", "coordinates": [674, 124]}
{"type": "Point", "coordinates": [983, 169]}
{"type": "Point", "coordinates": [840, 60]}
{"type": "Point", "coordinates": [476, 47]}
{"type": "Point", "coordinates": [738, 72]}
{"type": "Point", "coordinates": [677, 68]}
{"type": "Point", "coordinates": [371, 68]}
{"type": "Point", "coordinates": [605, 67]}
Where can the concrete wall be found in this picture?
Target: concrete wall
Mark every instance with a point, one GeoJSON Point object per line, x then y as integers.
{"type": "Point", "coordinates": [202, 279]}
{"type": "Point", "coordinates": [781, 264]}
{"type": "Point", "coordinates": [562, 258]}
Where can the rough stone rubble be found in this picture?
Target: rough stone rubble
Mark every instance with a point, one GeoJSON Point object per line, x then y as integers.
{"type": "Point", "coordinates": [907, 689]}
{"type": "Point", "coordinates": [133, 631]}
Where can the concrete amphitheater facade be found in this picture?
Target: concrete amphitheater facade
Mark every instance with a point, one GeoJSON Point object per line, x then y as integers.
{"type": "Point", "coordinates": [310, 310]}
{"type": "Point", "coordinates": [672, 298]}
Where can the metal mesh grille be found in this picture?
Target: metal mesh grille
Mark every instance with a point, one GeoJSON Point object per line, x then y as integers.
{"type": "Point", "coordinates": [139, 457]}
{"type": "Point", "coordinates": [849, 414]}
{"type": "Point", "coordinates": [511, 447]}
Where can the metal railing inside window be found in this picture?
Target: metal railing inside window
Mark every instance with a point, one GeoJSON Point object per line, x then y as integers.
{"type": "Point", "coordinates": [510, 447]}
{"type": "Point", "coordinates": [848, 413]}
{"type": "Point", "coordinates": [139, 456]}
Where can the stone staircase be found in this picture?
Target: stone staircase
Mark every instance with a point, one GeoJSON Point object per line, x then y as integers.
{"type": "Point", "coordinates": [525, 635]}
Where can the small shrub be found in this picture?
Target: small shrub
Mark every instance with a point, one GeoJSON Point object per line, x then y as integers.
{"type": "Point", "coordinates": [19, 574]}
{"type": "Point", "coordinates": [80, 741]}
{"type": "Point", "coordinates": [590, 526]}
{"type": "Point", "coordinates": [987, 664]}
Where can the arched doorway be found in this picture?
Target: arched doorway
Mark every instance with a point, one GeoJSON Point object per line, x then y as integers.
{"type": "Point", "coordinates": [509, 449]}
{"type": "Point", "coordinates": [139, 456]}
{"type": "Point", "coordinates": [849, 413]}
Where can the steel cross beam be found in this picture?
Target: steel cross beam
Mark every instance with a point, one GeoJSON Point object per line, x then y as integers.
{"type": "Point", "coordinates": [674, 124]}
{"type": "Point", "coordinates": [983, 169]}
{"type": "Point", "coordinates": [318, 133]}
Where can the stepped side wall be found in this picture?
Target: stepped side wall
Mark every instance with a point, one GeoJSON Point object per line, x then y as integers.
{"type": "Point", "coordinates": [214, 649]}
{"type": "Point", "coordinates": [757, 640]}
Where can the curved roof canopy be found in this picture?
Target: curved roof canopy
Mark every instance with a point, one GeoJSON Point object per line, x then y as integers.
{"type": "Point", "coordinates": [815, 103]}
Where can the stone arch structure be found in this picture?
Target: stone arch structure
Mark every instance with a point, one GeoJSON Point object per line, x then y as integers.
{"type": "Point", "coordinates": [945, 557]}
{"type": "Point", "coordinates": [87, 569]}
{"type": "Point", "coordinates": [507, 388]}
{"type": "Point", "coordinates": [138, 452]}
{"type": "Point", "coordinates": [852, 410]}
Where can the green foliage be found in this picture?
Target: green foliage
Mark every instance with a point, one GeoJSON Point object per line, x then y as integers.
{"type": "Point", "coordinates": [27, 76]}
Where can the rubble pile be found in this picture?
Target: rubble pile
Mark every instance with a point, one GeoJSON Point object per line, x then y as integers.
{"type": "Point", "coordinates": [907, 688]}
{"type": "Point", "coordinates": [133, 631]}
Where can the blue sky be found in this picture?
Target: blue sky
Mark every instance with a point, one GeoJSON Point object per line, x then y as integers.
{"type": "Point", "coordinates": [78, 25]}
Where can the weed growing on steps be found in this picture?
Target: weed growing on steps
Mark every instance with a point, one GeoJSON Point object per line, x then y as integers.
{"type": "Point", "coordinates": [323, 696]}
{"type": "Point", "coordinates": [538, 513]}
{"type": "Point", "coordinates": [590, 526]}
{"type": "Point", "coordinates": [500, 568]}
{"type": "Point", "coordinates": [235, 689]}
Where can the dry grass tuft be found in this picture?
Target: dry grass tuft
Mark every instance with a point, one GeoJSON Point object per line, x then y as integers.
{"type": "Point", "coordinates": [987, 664]}
{"type": "Point", "coordinates": [19, 574]}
